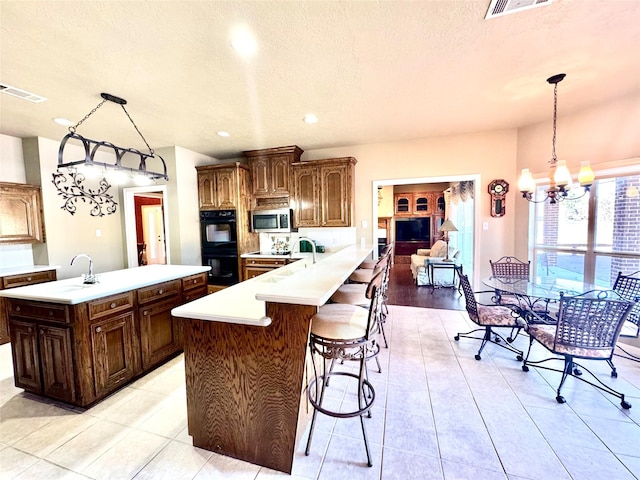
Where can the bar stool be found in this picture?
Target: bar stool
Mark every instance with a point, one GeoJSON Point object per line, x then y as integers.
{"type": "Point", "coordinates": [356, 293]}
{"type": "Point", "coordinates": [345, 332]}
{"type": "Point", "coordinates": [364, 272]}
{"type": "Point", "coordinates": [371, 263]}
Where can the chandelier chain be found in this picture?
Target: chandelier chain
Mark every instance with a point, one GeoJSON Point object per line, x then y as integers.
{"type": "Point", "coordinates": [554, 159]}
{"type": "Point", "coordinates": [137, 130]}
{"type": "Point", "coordinates": [73, 128]}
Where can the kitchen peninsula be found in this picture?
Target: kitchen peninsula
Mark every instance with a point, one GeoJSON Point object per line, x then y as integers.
{"type": "Point", "coordinates": [245, 349]}
{"type": "Point", "coordinates": [79, 342]}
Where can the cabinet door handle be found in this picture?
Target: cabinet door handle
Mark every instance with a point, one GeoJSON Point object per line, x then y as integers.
{"type": "Point", "coordinates": [29, 330]}
{"type": "Point", "coordinates": [50, 313]}
{"type": "Point", "coordinates": [113, 305]}
{"type": "Point", "coordinates": [28, 279]}
{"type": "Point", "coordinates": [18, 308]}
{"type": "Point", "coordinates": [145, 313]}
{"type": "Point", "coordinates": [98, 330]}
{"type": "Point", "coordinates": [160, 292]}
{"type": "Point", "coordinates": [42, 331]}
{"type": "Point", "coordinates": [195, 281]}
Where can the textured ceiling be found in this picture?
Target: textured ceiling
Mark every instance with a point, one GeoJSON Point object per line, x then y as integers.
{"type": "Point", "coordinates": [372, 71]}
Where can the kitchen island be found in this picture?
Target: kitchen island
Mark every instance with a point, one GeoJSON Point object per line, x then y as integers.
{"type": "Point", "coordinates": [79, 342]}
{"type": "Point", "coordinates": [245, 349]}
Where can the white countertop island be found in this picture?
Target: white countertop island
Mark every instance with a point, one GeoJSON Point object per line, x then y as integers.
{"type": "Point", "coordinates": [72, 291]}
{"type": "Point", "coordinates": [244, 351]}
{"type": "Point", "coordinates": [300, 283]}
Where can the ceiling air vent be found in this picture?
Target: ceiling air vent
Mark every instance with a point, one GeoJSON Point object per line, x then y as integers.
{"type": "Point", "coordinates": [502, 7]}
{"type": "Point", "coordinates": [16, 92]}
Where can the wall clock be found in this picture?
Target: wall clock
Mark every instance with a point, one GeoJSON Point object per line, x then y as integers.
{"type": "Point", "coordinates": [498, 190]}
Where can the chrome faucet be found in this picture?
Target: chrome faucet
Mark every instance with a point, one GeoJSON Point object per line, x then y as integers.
{"type": "Point", "coordinates": [309, 241]}
{"type": "Point", "coordinates": [89, 278]}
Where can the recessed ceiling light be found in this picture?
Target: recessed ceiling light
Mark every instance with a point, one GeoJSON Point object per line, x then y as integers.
{"type": "Point", "coordinates": [63, 121]}
{"type": "Point", "coordinates": [244, 43]}
{"type": "Point", "coordinates": [310, 118]}
{"type": "Point", "coordinates": [222, 133]}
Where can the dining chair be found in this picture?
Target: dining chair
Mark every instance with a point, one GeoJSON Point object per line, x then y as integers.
{"type": "Point", "coordinates": [628, 287]}
{"type": "Point", "coordinates": [588, 327]}
{"type": "Point", "coordinates": [488, 317]}
{"type": "Point", "coordinates": [341, 332]}
{"type": "Point", "coordinates": [512, 267]}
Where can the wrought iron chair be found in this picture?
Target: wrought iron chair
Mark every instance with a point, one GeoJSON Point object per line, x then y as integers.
{"type": "Point", "coordinates": [345, 332]}
{"type": "Point", "coordinates": [488, 317]}
{"type": "Point", "coordinates": [588, 328]}
{"type": "Point", "coordinates": [628, 287]}
{"type": "Point", "coordinates": [510, 267]}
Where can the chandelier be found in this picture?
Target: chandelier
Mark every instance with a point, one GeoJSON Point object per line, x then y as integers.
{"type": "Point", "coordinates": [98, 155]}
{"type": "Point", "coordinates": [559, 175]}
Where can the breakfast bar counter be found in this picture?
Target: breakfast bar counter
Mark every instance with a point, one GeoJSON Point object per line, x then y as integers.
{"type": "Point", "coordinates": [244, 351]}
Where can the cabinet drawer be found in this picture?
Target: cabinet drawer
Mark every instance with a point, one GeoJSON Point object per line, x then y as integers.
{"type": "Point", "coordinates": [51, 312]}
{"type": "Point", "coordinates": [12, 281]}
{"type": "Point", "coordinates": [194, 293]}
{"type": "Point", "coordinates": [159, 291]}
{"type": "Point", "coordinates": [265, 262]}
{"type": "Point", "coordinates": [110, 305]}
{"type": "Point", "coordinates": [194, 281]}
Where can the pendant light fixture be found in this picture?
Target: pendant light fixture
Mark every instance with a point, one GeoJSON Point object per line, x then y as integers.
{"type": "Point", "coordinates": [559, 175]}
{"type": "Point", "coordinates": [127, 162]}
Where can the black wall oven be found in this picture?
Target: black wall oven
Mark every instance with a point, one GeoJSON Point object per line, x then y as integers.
{"type": "Point", "coordinates": [219, 243]}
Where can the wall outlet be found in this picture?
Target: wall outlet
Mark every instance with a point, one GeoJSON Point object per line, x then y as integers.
{"type": "Point", "coordinates": [364, 224]}
{"type": "Point", "coordinates": [485, 225]}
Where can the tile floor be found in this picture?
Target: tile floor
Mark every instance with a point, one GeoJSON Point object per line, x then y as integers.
{"type": "Point", "coordinates": [439, 414]}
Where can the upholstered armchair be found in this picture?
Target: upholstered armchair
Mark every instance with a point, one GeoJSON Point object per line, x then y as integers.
{"type": "Point", "coordinates": [437, 252]}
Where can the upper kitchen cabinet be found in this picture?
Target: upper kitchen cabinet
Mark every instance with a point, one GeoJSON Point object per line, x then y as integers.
{"type": "Point", "coordinates": [416, 204]}
{"type": "Point", "coordinates": [271, 170]}
{"type": "Point", "coordinates": [323, 192]}
{"type": "Point", "coordinates": [222, 187]}
{"type": "Point", "coordinates": [21, 219]}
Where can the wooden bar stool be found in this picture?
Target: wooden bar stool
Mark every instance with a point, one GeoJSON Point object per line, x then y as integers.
{"type": "Point", "coordinates": [345, 333]}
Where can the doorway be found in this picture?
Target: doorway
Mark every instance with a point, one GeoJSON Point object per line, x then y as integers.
{"type": "Point", "coordinates": [146, 225]}
{"type": "Point", "coordinates": [472, 242]}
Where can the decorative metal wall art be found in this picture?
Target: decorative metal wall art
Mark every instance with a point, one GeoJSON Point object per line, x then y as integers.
{"type": "Point", "coordinates": [101, 201]}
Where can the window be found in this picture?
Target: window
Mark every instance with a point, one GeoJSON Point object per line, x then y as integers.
{"type": "Point", "coordinates": [591, 238]}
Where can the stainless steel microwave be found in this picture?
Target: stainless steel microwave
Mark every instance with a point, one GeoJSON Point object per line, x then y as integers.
{"type": "Point", "coordinates": [272, 221]}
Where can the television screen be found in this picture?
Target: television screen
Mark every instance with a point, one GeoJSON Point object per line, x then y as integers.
{"type": "Point", "coordinates": [413, 229]}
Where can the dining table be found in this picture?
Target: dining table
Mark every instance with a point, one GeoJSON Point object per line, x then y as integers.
{"type": "Point", "coordinates": [537, 297]}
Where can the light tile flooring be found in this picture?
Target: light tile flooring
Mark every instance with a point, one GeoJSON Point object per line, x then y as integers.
{"type": "Point", "coordinates": [439, 414]}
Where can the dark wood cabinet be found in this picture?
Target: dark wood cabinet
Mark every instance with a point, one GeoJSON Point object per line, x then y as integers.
{"type": "Point", "coordinates": [19, 280]}
{"type": "Point", "coordinates": [21, 213]}
{"type": "Point", "coordinates": [81, 353]}
{"type": "Point", "coordinates": [271, 170]}
{"type": "Point", "coordinates": [57, 362]}
{"type": "Point", "coordinates": [159, 332]}
{"type": "Point", "coordinates": [113, 342]}
{"type": "Point", "coordinates": [42, 359]}
{"type": "Point", "coordinates": [323, 192]}
{"type": "Point", "coordinates": [253, 267]}
{"type": "Point", "coordinates": [305, 193]}
{"type": "Point", "coordinates": [26, 363]}
{"type": "Point", "coordinates": [219, 186]}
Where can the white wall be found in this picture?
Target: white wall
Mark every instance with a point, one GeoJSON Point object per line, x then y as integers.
{"type": "Point", "coordinates": [69, 235]}
{"type": "Point", "coordinates": [183, 203]}
{"type": "Point", "coordinates": [490, 155]}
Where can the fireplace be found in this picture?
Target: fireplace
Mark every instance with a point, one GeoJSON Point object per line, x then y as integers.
{"type": "Point", "coordinates": [412, 234]}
